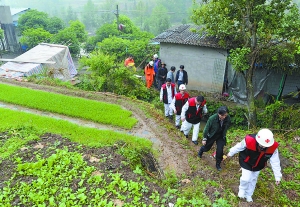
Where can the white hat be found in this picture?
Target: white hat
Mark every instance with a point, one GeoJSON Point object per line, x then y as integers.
{"type": "Point", "coordinates": [182, 87]}
{"type": "Point", "coordinates": [155, 56]}
{"type": "Point", "coordinates": [151, 63]}
{"type": "Point", "coordinates": [265, 138]}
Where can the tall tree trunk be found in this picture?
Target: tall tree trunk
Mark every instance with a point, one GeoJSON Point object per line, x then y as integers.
{"type": "Point", "coordinates": [250, 94]}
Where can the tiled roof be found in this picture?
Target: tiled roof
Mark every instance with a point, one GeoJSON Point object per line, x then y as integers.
{"type": "Point", "coordinates": [185, 34]}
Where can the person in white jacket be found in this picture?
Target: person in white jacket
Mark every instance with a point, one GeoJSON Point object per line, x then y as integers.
{"type": "Point", "coordinates": [191, 115]}
{"type": "Point", "coordinates": [254, 152]}
{"type": "Point", "coordinates": [167, 93]}
{"type": "Point", "coordinates": [177, 103]}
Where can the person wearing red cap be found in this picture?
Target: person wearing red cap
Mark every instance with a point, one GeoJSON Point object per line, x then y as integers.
{"type": "Point", "coordinates": [254, 152]}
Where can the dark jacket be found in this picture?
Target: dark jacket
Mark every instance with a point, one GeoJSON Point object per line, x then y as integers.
{"type": "Point", "coordinates": [252, 158]}
{"type": "Point", "coordinates": [162, 72]}
{"type": "Point", "coordinates": [180, 101]}
{"type": "Point", "coordinates": [213, 126]}
{"type": "Point", "coordinates": [165, 93]}
{"type": "Point", "coordinates": [192, 115]}
{"type": "Point", "coordinates": [184, 79]}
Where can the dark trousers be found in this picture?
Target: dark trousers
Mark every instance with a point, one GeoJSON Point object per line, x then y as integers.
{"type": "Point", "coordinates": [155, 81]}
{"type": "Point", "coordinates": [179, 83]}
{"type": "Point", "coordinates": [160, 83]}
{"type": "Point", "coordinates": [220, 146]}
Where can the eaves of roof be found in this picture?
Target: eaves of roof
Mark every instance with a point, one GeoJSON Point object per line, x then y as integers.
{"type": "Point", "coordinates": [186, 35]}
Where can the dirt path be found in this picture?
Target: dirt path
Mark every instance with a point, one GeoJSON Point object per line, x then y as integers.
{"type": "Point", "coordinates": [172, 155]}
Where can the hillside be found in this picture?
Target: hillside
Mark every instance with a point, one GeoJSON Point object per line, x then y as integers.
{"type": "Point", "coordinates": [196, 182]}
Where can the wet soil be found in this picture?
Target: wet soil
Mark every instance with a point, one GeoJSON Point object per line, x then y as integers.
{"type": "Point", "coordinates": [44, 148]}
{"type": "Point", "coordinates": [172, 156]}
{"type": "Point", "coordinates": [176, 153]}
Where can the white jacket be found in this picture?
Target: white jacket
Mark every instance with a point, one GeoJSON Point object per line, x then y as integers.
{"type": "Point", "coordinates": [274, 160]}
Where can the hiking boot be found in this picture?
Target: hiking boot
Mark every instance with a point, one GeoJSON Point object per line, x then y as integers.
{"type": "Point", "coordinates": [178, 126]}
{"type": "Point", "coordinates": [200, 153]}
{"type": "Point", "coordinates": [218, 166]}
{"type": "Point", "coordinates": [195, 142]}
{"type": "Point", "coordinates": [186, 136]}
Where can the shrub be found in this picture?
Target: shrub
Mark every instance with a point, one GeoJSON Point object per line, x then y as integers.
{"type": "Point", "coordinates": [280, 116]}
{"type": "Point", "coordinates": [104, 75]}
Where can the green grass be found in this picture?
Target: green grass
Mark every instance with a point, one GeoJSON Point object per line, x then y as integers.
{"type": "Point", "coordinates": [84, 135]}
{"type": "Point", "coordinates": [71, 106]}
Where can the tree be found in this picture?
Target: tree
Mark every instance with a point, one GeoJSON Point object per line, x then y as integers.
{"type": "Point", "coordinates": [32, 37]}
{"type": "Point", "coordinates": [54, 24]}
{"type": "Point", "coordinates": [177, 9]}
{"type": "Point", "coordinates": [33, 19]}
{"type": "Point", "coordinates": [90, 18]}
{"type": "Point", "coordinates": [71, 15]}
{"type": "Point", "coordinates": [68, 38]}
{"type": "Point", "coordinates": [120, 48]}
{"type": "Point", "coordinates": [107, 17]}
{"type": "Point", "coordinates": [78, 28]}
{"type": "Point", "coordinates": [141, 13]}
{"type": "Point", "coordinates": [159, 20]}
{"type": "Point", "coordinates": [256, 31]}
{"type": "Point", "coordinates": [104, 75]}
{"type": "Point", "coordinates": [130, 32]}
{"type": "Point", "coordinates": [105, 31]}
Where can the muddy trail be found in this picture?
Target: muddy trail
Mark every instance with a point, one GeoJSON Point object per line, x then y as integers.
{"type": "Point", "coordinates": [172, 156]}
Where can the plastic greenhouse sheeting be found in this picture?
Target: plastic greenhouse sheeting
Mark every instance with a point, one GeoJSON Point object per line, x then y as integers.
{"type": "Point", "coordinates": [37, 60]}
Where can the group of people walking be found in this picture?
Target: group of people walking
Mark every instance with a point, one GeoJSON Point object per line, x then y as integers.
{"type": "Point", "coordinates": [255, 150]}
{"type": "Point", "coordinates": [156, 74]}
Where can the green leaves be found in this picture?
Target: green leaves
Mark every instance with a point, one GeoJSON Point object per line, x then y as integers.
{"type": "Point", "coordinates": [1, 33]}
{"type": "Point", "coordinates": [239, 58]}
{"type": "Point", "coordinates": [32, 37]}
{"type": "Point", "coordinates": [33, 19]}
{"type": "Point", "coordinates": [256, 32]}
{"type": "Point", "coordinates": [71, 106]}
{"type": "Point", "coordinates": [105, 76]}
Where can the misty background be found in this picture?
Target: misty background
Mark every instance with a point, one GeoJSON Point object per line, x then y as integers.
{"type": "Point", "coordinates": [152, 16]}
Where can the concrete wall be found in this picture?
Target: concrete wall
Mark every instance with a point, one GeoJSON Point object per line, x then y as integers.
{"type": "Point", "coordinates": [205, 66]}
{"type": "Point", "coordinates": [10, 39]}
{"type": "Point", "coordinates": [5, 15]}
